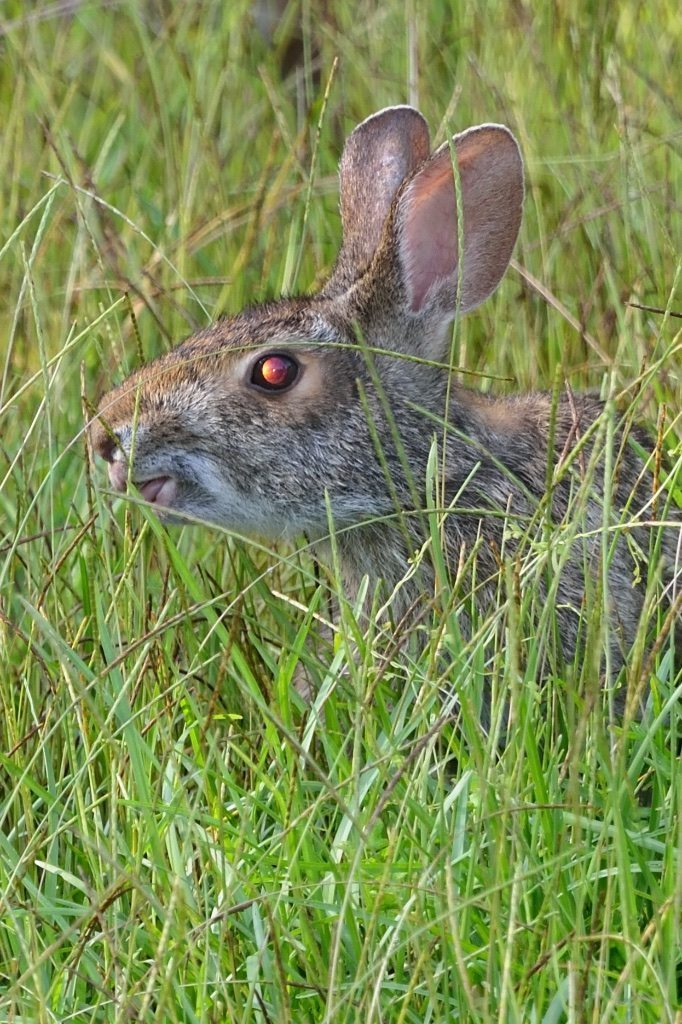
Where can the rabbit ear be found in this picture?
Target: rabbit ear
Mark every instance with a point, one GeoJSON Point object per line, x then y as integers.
{"type": "Point", "coordinates": [425, 228]}
{"type": "Point", "coordinates": [379, 154]}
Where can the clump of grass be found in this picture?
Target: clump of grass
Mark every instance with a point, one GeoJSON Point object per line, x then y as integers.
{"type": "Point", "coordinates": [181, 837]}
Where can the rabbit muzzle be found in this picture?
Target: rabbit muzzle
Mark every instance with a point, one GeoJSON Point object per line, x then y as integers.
{"type": "Point", "coordinates": [118, 475]}
{"type": "Point", "coordinates": [159, 490]}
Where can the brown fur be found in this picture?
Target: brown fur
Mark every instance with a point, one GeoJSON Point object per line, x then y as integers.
{"type": "Point", "coordinates": [273, 464]}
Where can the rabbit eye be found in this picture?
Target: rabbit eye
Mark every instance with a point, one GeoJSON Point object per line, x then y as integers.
{"type": "Point", "coordinates": [274, 372]}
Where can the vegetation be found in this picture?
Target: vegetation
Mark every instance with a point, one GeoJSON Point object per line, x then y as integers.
{"type": "Point", "coordinates": [182, 838]}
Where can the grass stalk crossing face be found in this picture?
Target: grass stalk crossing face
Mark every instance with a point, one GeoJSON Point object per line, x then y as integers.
{"type": "Point", "coordinates": [181, 838]}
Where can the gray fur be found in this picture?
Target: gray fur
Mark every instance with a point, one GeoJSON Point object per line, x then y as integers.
{"type": "Point", "coordinates": [267, 464]}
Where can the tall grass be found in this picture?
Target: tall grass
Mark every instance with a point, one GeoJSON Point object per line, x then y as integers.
{"type": "Point", "coordinates": [182, 838]}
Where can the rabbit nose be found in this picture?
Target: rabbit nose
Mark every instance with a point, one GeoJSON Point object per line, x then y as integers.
{"type": "Point", "coordinates": [106, 445]}
{"type": "Point", "coordinates": [103, 442]}
{"type": "Point", "coordinates": [118, 475]}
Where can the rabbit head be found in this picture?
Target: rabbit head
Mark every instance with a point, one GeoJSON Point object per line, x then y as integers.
{"type": "Point", "coordinates": [269, 421]}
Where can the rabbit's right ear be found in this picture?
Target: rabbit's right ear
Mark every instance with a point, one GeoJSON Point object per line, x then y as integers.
{"type": "Point", "coordinates": [424, 234]}
{"type": "Point", "coordinates": [378, 156]}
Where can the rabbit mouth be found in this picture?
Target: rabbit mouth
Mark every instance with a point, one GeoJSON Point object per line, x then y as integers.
{"type": "Point", "coordinates": [157, 490]}
{"type": "Point", "coordinates": [160, 490]}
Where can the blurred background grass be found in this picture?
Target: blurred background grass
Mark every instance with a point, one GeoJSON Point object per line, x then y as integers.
{"type": "Point", "coordinates": [179, 838]}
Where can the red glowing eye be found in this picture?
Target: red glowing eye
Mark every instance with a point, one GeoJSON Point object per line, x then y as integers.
{"type": "Point", "coordinates": [274, 372]}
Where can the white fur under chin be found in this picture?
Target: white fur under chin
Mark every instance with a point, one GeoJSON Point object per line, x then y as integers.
{"type": "Point", "coordinates": [197, 490]}
{"type": "Point", "coordinates": [233, 510]}
{"type": "Point", "coordinates": [202, 493]}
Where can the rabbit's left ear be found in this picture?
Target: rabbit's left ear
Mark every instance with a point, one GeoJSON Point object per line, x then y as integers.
{"type": "Point", "coordinates": [425, 225]}
{"type": "Point", "coordinates": [379, 154]}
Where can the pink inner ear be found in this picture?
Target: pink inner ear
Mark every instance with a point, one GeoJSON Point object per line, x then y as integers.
{"type": "Point", "coordinates": [491, 180]}
{"type": "Point", "coordinates": [429, 237]}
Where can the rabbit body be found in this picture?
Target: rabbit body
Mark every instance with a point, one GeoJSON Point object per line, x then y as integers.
{"type": "Point", "coordinates": [305, 413]}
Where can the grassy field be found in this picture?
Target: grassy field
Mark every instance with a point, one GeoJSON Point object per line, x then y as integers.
{"type": "Point", "coordinates": [181, 837]}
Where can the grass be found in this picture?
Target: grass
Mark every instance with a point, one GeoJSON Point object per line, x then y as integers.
{"type": "Point", "coordinates": [181, 837]}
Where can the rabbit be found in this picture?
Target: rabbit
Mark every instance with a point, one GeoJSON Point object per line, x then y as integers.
{"type": "Point", "coordinates": [318, 411]}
